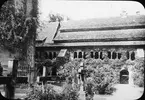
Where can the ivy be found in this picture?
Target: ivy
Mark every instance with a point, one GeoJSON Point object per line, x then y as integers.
{"type": "Point", "coordinates": [15, 27]}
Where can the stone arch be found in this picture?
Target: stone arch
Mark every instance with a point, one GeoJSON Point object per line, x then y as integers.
{"type": "Point", "coordinates": [109, 54]}
{"type": "Point", "coordinates": [92, 54]}
{"type": "Point", "coordinates": [132, 56]}
{"type": "Point", "coordinates": [75, 54]}
{"type": "Point", "coordinates": [114, 55]}
{"type": "Point", "coordinates": [50, 55]}
{"type": "Point", "coordinates": [80, 55]}
{"type": "Point", "coordinates": [96, 55]}
{"type": "Point", "coordinates": [54, 55]}
{"type": "Point", "coordinates": [84, 55]}
{"type": "Point", "coordinates": [101, 55]}
{"type": "Point", "coordinates": [127, 54]}
{"type": "Point", "coordinates": [124, 76]}
{"type": "Point", "coordinates": [119, 55]}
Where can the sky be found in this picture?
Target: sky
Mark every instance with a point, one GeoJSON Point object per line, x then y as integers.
{"type": "Point", "coordinates": [77, 10]}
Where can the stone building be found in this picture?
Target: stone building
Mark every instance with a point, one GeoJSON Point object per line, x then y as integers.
{"type": "Point", "coordinates": [115, 36]}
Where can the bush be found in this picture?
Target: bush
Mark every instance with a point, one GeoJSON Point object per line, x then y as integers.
{"type": "Point", "coordinates": [138, 79]}
{"type": "Point", "coordinates": [104, 78]}
{"type": "Point", "coordinates": [104, 75]}
{"type": "Point", "coordinates": [37, 93]}
{"type": "Point", "coordinates": [138, 70]}
{"type": "Point", "coordinates": [69, 93]}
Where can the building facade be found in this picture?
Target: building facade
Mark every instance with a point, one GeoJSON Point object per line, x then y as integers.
{"type": "Point", "coordinates": [117, 37]}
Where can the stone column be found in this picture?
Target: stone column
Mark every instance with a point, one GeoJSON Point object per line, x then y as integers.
{"type": "Point", "coordinates": [44, 71]}
{"type": "Point", "coordinates": [130, 55]}
{"type": "Point", "coordinates": [111, 55]}
{"type": "Point", "coordinates": [130, 76]}
{"type": "Point", "coordinates": [71, 56]}
{"type": "Point", "coordinates": [99, 55]}
{"type": "Point", "coordinates": [82, 54]}
{"type": "Point", "coordinates": [116, 55]}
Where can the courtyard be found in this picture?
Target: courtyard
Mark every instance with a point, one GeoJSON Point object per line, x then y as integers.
{"type": "Point", "coordinates": [123, 92]}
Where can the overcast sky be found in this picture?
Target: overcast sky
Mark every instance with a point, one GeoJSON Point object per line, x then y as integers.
{"type": "Point", "coordinates": [77, 10]}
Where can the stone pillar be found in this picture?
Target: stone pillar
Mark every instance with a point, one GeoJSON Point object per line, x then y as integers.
{"type": "Point", "coordinates": [116, 55]}
{"type": "Point", "coordinates": [82, 54]}
{"type": "Point", "coordinates": [99, 55]}
{"type": "Point", "coordinates": [130, 75]}
{"type": "Point", "coordinates": [130, 55]}
{"type": "Point", "coordinates": [71, 56]}
{"type": "Point", "coordinates": [77, 54]}
{"type": "Point", "coordinates": [44, 71]}
{"type": "Point", "coordinates": [110, 54]}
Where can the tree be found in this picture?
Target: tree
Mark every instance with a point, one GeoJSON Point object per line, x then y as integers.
{"type": "Point", "coordinates": [12, 28]}
{"type": "Point", "coordinates": [57, 17]}
{"type": "Point", "coordinates": [18, 29]}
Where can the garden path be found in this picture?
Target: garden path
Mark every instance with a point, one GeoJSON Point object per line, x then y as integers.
{"type": "Point", "coordinates": [123, 92]}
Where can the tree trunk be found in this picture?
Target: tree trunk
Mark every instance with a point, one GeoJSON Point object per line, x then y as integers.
{"type": "Point", "coordinates": [31, 11]}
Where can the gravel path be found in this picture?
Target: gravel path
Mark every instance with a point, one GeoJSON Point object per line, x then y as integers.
{"type": "Point", "coordinates": [123, 92]}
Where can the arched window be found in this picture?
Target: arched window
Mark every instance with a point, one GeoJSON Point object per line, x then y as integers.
{"type": "Point", "coordinates": [80, 55]}
{"type": "Point", "coordinates": [132, 56]}
{"type": "Point", "coordinates": [54, 54]}
{"type": "Point", "coordinates": [50, 55]}
{"type": "Point", "coordinates": [45, 55]}
{"type": "Point", "coordinates": [119, 55]}
{"type": "Point", "coordinates": [96, 55]}
{"type": "Point", "coordinates": [127, 55]}
{"type": "Point", "coordinates": [109, 54]}
{"type": "Point", "coordinates": [114, 55]}
{"type": "Point", "coordinates": [84, 55]}
{"type": "Point", "coordinates": [101, 55]}
{"type": "Point", "coordinates": [75, 54]}
{"type": "Point", "coordinates": [92, 55]}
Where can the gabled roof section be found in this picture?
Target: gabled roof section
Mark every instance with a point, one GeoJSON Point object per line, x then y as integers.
{"type": "Point", "coordinates": [48, 32]}
{"type": "Point", "coordinates": [130, 28]}
{"type": "Point", "coordinates": [97, 36]}
{"type": "Point", "coordinates": [103, 23]}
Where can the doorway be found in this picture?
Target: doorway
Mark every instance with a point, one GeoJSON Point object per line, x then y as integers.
{"type": "Point", "coordinates": [124, 76]}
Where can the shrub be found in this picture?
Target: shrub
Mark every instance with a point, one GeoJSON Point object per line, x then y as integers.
{"type": "Point", "coordinates": [138, 79]}
{"type": "Point", "coordinates": [104, 78]}
{"type": "Point", "coordinates": [69, 93]}
{"type": "Point", "coordinates": [138, 70]}
{"type": "Point", "coordinates": [37, 93]}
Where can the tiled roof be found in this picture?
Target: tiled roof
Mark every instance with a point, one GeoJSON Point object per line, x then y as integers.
{"type": "Point", "coordinates": [131, 28]}
{"type": "Point", "coordinates": [105, 29]}
{"type": "Point", "coordinates": [82, 44]}
{"type": "Point", "coordinates": [48, 32]}
{"type": "Point", "coordinates": [107, 35]}
{"type": "Point", "coordinates": [103, 22]}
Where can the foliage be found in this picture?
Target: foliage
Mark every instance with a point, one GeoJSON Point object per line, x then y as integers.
{"type": "Point", "coordinates": [138, 70]}
{"type": "Point", "coordinates": [104, 78]}
{"type": "Point", "coordinates": [57, 17]}
{"type": "Point", "coordinates": [35, 93]}
{"type": "Point", "coordinates": [89, 85]}
{"type": "Point", "coordinates": [15, 27]}
{"type": "Point", "coordinates": [48, 93]}
{"type": "Point", "coordinates": [68, 68]}
{"type": "Point", "coordinates": [104, 75]}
